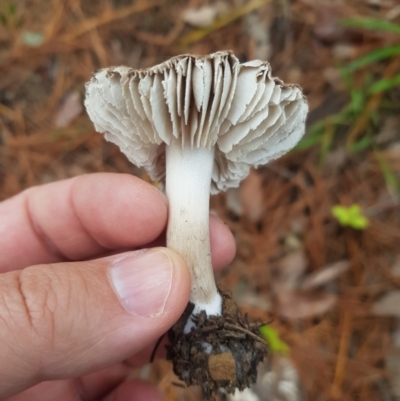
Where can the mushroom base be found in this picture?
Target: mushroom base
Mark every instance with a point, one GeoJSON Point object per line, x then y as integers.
{"type": "Point", "coordinates": [221, 353]}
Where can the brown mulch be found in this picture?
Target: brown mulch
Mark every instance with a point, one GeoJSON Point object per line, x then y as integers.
{"type": "Point", "coordinates": [340, 354]}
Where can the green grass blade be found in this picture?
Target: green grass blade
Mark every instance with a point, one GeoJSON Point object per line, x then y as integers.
{"type": "Point", "coordinates": [307, 142]}
{"type": "Point", "coordinates": [371, 24]}
{"type": "Point", "coordinates": [362, 144]}
{"type": "Point", "coordinates": [317, 130]}
{"type": "Point", "coordinates": [390, 177]}
{"type": "Point", "coordinates": [384, 84]}
{"type": "Point", "coordinates": [370, 58]}
{"type": "Point", "coordinates": [326, 143]}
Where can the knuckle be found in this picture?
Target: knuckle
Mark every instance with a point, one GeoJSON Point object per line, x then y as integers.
{"type": "Point", "coordinates": [38, 299]}
{"type": "Point", "coordinates": [31, 302]}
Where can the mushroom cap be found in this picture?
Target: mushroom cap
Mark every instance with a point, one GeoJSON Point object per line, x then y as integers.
{"type": "Point", "coordinates": [202, 101]}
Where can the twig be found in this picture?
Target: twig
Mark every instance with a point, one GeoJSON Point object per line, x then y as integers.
{"type": "Point", "coordinates": [248, 332]}
{"type": "Point", "coordinates": [153, 353]}
{"type": "Point", "coordinates": [111, 16]}
{"type": "Point", "coordinates": [336, 389]}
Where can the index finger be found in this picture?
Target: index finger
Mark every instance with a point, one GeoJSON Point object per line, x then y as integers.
{"type": "Point", "coordinates": [79, 218]}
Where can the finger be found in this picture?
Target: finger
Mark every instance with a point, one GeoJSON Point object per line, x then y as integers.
{"type": "Point", "coordinates": [60, 390]}
{"type": "Point", "coordinates": [135, 390]}
{"type": "Point", "coordinates": [143, 357]}
{"type": "Point", "coordinates": [69, 319]}
{"type": "Point", "coordinates": [95, 385]}
{"type": "Point", "coordinates": [79, 218]}
{"type": "Point", "coordinates": [223, 246]}
{"type": "Point", "coordinates": [90, 387]}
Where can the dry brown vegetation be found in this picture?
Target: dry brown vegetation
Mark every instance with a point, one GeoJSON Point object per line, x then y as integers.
{"type": "Point", "coordinates": [285, 230]}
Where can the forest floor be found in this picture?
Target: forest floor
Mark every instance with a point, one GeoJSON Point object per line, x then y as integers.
{"type": "Point", "coordinates": [327, 274]}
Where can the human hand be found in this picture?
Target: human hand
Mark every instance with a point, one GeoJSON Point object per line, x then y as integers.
{"type": "Point", "coordinates": [75, 299]}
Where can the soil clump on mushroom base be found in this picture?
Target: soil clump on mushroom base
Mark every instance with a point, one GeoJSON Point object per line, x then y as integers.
{"type": "Point", "coordinates": [220, 353]}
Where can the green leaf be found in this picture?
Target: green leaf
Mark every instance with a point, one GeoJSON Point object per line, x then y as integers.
{"type": "Point", "coordinates": [372, 24]}
{"type": "Point", "coordinates": [12, 8]}
{"type": "Point", "coordinates": [359, 222]}
{"type": "Point", "coordinates": [354, 210]}
{"type": "Point", "coordinates": [3, 20]}
{"type": "Point", "coordinates": [275, 343]}
{"type": "Point", "coordinates": [350, 216]}
{"type": "Point", "coordinates": [341, 214]}
{"type": "Point", "coordinates": [372, 57]}
{"type": "Point", "coordinates": [8, 12]}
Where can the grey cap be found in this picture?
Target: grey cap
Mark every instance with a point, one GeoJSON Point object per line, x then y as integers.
{"type": "Point", "coordinates": [205, 101]}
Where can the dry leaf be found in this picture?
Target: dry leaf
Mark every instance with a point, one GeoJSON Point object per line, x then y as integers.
{"type": "Point", "coordinates": [258, 28]}
{"type": "Point", "coordinates": [296, 306]}
{"type": "Point", "coordinates": [393, 152]}
{"type": "Point", "coordinates": [333, 76]}
{"type": "Point", "coordinates": [344, 51]}
{"type": "Point", "coordinates": [233, 202]}
{"type": "Point", "coordinates": [278, 381]}
{"type": "Point", "coordinates": [390, 129]}
{"type": "Point", "coordinates": [252, 197]}
{"type": "Point", "coordinates": [327, 27]}
{"type": "Point", "coordinates": [245, 395]}
{"type": "Point", "coordinates": [336, 159]}
{"type": "Point", "coordinates": [32, 39]}
{"type": "Point", "coordinates": [291, 269]}
{"type": "Point", "coordinates": [254, 300]}
{"type": "Point", "coordinates": [388, 305]}
{"type": "Point", "coordinates": [393, 367]}
{"type": "Point", "coordinates": [393, 13]}
{"type": "Point", "coordinates": [395, 267]}
{"type": "Point", "coordinates": [292, 243]}
{"type": "Point", "coordinates": [70, 109]}
{"type": "Point", "coordinates": [325, 275]}
{"type": "Point", "coordinates": [204, 15]}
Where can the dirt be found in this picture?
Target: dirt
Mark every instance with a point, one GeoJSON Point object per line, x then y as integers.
{"type": "Point", "coordinates": [221, 353]}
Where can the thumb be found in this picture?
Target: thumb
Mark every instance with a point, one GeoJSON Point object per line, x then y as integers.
{"type": "Point", "coordinates": [64, 320]}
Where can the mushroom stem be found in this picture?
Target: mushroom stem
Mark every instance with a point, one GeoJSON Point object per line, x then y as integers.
{"type": "Point", "coordinates": [188, 181]}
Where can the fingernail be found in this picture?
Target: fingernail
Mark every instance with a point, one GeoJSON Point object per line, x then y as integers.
{"type": "Point", "coordinates": [143, 281]}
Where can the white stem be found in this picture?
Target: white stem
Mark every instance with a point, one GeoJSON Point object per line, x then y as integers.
{"type": "Point", "coordinates": [188, 183]}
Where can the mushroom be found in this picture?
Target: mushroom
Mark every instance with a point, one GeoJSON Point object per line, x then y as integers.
{"type": "Point", "coordinates": [200, 123]}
